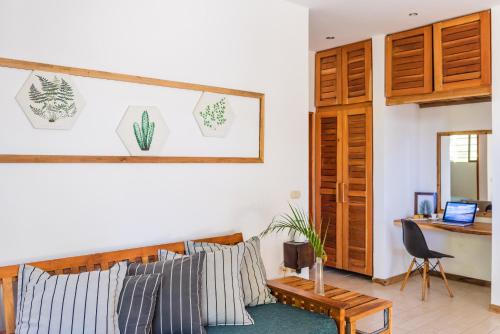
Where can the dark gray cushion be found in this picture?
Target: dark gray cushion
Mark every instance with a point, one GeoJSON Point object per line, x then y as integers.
{"type": "Point", "coordinates": [137, 303]}
{"type": "Point", "coordinates": [178, 301]}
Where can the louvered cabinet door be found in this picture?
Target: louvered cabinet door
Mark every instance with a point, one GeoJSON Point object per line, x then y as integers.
{"type": "Point", "coordinates": [462, 52]}
{"type": "Point", "coordinates": [357, 190]}
{"type": "Point", "coordinates": [328, 85]}
{"type": "Point", "coordinates": [408, 62]}
{"type": "Point", "coordinates": [328, 177]}
{"type": "Point", "coordinates": [357, 72]}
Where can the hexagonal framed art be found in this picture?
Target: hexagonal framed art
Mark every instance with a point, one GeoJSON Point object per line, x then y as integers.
{"type": "Point", "coordinates": [50, 100]}
{"type": "Point", "coordinates": [213, 114]}
{"type": "Point", "coordinates": [143, 130]}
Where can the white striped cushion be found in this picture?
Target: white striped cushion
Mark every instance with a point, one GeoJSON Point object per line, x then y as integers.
{"type": "Point", "coordinates": [253, 274]}
{"type": "Point", "coordinates": [221, 297]}
{"type": "Point", "coordinates": [75, 303]}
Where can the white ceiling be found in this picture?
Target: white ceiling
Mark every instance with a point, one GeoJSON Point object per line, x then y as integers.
{"type": "Point", "coordinates": [355, 20]}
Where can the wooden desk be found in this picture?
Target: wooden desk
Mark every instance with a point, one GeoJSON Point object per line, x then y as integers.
{"type": "Point", "coordinates": [476, 228]}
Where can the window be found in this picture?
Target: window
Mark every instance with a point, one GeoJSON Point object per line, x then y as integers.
{"type": "Point", "coordinates": [463, 148]}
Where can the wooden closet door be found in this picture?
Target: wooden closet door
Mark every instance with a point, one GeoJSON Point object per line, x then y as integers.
{"type": "Point", "coordinates": [408, 62]}
{"type": "Point", "coordinates": [357, 72]}
{"type": "Point", "coordinates": [357, 190]}
{"type": "Point", "coordinates": [462, 52]}
{"type": "Point", "coordinates": [328, 150]}
{"type": "Point", "coordinates": [328, 78]}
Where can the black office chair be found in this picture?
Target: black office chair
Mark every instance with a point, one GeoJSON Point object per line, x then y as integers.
{"type": "Point", "coordinates": [415, 244]}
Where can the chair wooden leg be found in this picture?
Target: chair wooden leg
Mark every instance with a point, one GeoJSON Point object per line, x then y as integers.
{"type": "Point", "coordinates": [444, 278]}
{"type": "Point", "coordinates": [408, 273]}
{"type": "Point", "coordinates": [425, 278]}
{"type": "Point", "coordinates": [428, 276]}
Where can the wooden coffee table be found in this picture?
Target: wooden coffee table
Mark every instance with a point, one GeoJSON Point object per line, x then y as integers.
{"type": "Point", "coordinates": [344, 306]}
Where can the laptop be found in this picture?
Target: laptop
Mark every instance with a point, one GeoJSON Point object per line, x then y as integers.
{"type": "Point", "coordinates": [459, 214]}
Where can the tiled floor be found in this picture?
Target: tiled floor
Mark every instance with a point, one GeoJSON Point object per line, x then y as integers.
{"type": "Point", "coordinates": [467, 312]}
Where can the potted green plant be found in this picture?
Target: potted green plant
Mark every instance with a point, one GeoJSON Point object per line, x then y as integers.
{"type": "Point", "coordinates": [299, 223]}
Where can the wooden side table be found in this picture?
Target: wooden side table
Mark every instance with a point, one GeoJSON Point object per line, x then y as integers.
{"type": "Point", "coordinates": [344, 306]}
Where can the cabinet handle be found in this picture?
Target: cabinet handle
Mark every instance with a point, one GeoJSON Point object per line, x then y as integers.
{"type": "Point", "coordinates": [337, 192]}
{"type": "Point", "coordinates": [343, 193]}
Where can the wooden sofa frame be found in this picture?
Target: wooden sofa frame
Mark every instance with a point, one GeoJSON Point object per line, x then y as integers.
{"type": "Point", "coordinates": [78, 264]}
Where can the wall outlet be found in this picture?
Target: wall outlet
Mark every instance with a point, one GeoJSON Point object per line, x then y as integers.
{"type": "Point", "coordinates": [295, 194]}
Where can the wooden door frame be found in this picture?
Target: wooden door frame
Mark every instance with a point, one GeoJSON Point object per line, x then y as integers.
{"type": "Point", "coordinates": [312, 136]}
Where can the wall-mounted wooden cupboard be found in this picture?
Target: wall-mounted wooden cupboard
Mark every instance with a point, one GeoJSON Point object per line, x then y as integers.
{"type": "Point", "coordinates": [344, 75]}
{"type": "Point", "coordinates": [449, 60]}
{"type": "Point", "coordinates": [343, 191]}
{"type": "Point", "coordinates": [343, 155]}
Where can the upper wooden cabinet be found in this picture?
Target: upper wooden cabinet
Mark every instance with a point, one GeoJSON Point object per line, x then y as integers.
{"type": "Point", "coordinates": [462, 52]}
{"type": "Point", "coordinates": [328, 78]}
{"type": "Point", "coordinates": [344, 75]}
{"type": "Point", "coordinates": [357, 72]}
{"type": "Point", "coordinates": [450, 60]}
{"type": "Point", "coordinates": [408, 62]}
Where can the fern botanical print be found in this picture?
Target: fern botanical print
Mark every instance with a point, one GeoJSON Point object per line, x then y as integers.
{"type": "Point", "coordinates": [54, 100]}
{"type": "Point", "coordinates": [144, 133]}
{"type": "Point", "coordinates": [214, 115]}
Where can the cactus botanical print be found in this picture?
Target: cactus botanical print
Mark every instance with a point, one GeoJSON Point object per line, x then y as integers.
{"type": "Point", "coordinates": [144, 133]}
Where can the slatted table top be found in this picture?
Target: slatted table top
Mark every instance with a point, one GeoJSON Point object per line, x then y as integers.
{"type": "Point", "coordinates": [356, 305]}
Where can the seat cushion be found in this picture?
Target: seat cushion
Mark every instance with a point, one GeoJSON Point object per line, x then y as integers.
{"type": "Point", "coordinates": [281, 319]}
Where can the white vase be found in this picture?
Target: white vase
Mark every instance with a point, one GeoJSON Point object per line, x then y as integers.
{"type": "Point", "coordinates": [319, 284]}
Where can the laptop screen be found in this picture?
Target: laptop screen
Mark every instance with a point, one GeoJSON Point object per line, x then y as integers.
{"type": "Point", "coordinates": [460, 212]}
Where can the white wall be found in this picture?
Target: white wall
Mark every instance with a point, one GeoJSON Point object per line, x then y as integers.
{"type": "Point", "coordinates": [474, 116]}
{"type": "Point", "coordinates": [53, 210]}
{"type": "Point", "coordinates": [466, 248]}
{"type": "Point", "coordinates": [405, 162]}
{"type": "Point", "coordinates": [483, 167]}
{"type": "Point", "coordinates": [495, 158]}
{"type": "Point", "coordinates": [312, 76]}
{"type": "Point", "coordinates": [395, 145]}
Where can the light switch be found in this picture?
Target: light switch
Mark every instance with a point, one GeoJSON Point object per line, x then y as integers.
{"type": "Point", "coordinates": [295, 194]}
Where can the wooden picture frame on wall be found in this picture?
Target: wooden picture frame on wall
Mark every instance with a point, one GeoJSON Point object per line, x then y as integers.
{"type": "Point", "coordinates": [96, 74]}
{"type": "Point", "coordinates": [428, 195]}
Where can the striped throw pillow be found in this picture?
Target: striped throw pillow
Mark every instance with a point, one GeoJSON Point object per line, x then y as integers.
{"type": "Point", "coordinates": [137, 303]}
{"type": "Point", "coordinates": [178, 301]}
{"type": "Point", "coordinates": [75, 303]}
{"type": "Point", "coordinates": [222, 298]}
{"type": "Point", "coordinates": [253, 274]}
